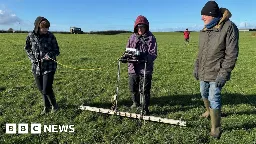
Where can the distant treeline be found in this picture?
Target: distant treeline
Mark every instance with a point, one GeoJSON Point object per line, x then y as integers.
{"type": "Point", "coordinates": [5, 31]}
{"type": "Point", "coordinates": [183, 31]}
{"type": "Point", "coordinates": [240, 29]}
{"type": "Point", "coordinates": [108, 32]}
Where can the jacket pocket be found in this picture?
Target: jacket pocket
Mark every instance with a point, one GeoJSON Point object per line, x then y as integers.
{"type": "Point", "coordinates": [217, 67]}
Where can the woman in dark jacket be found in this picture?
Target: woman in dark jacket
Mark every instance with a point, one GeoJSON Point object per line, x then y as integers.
{"type": "Point", "coordinates": [42, 48]}
{"type": "Point", "coordinates": [143, 40]}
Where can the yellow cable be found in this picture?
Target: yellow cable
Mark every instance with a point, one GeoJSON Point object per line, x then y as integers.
{"type": "Point", "coordinates": [83, 69]}
{"type": "Point", "coordinates": [92, 69]}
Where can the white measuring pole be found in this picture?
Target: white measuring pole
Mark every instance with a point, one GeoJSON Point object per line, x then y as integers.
{"type": "Point", "coordinates": [134, 115]}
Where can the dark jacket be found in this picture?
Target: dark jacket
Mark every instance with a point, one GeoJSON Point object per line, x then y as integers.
{"type": "Point", "coordinates": [147, 46]}
{"type": "Point", "coordinates": [218, 49]}
{"type": "Point", "coordinates": [38, 47]}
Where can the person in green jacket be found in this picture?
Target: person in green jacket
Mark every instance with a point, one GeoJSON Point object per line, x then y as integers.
{"type": "Point", "coordinates": [216, 58]}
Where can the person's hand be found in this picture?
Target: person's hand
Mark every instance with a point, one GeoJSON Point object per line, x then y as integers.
{"type": "Point", "coordinates": [124, 60]}
{"type": "Point", "coordinates": [46, 57]}
{"type": "Point", "coordinates": [220, 82]}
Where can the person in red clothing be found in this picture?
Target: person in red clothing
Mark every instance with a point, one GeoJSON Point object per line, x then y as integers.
{"type": "Point", "coordinates": [186, 36]}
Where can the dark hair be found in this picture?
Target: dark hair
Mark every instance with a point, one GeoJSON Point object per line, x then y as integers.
{"type": "Point", "coordinates": [44, 24]}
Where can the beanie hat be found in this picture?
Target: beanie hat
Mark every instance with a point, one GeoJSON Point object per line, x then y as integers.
{"type": "Point", "coordinates": [211, 8]}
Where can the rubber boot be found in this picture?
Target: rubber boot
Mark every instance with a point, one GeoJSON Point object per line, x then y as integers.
{"type": "Point", "coordinates": [55, 108]}
{"type": "Point", "coordinates": [135, 100]}
{"type": "Point", "coordinates": [215, 115]}
{"type": "Point", "coordinates": [206, 114]}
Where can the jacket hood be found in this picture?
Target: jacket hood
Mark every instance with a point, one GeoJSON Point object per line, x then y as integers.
{"type": "Point", "coordinates": [141, 20]}
{"type": "Point", "coordinates": [226, 15]}
{"type": "Point", "coordinates": [38, 20]}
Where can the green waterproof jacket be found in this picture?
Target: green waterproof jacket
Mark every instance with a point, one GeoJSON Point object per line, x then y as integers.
{"type": "Point", "coordinates": [218, 49]}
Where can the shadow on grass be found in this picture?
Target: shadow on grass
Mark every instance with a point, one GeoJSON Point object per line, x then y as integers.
{"type": "Point", "coordinates": [108, 105]}
{"type": "Point", "coordinates": [177, 103]}
{"type": "Point", "coordinates": [235, 99]}
{"type": "Point", "coordinates": [195, 99]}
{"type": "Point", "coordinates": [64, 104]}
{"type": "Point", "coordinates": [244, 126]}
{"type": "Point", "coordinates": [2, 88]}
{"type": "Point", "coordinates": [71, 110]}
{"type": "Point", "coordinates": [183, 103]}
{"type": "Point", "coordinates": [84, 59]}
{"type": "Point", "coordinates": [251, 112]}
{"type": "Point", "coordinates": [174, 100]}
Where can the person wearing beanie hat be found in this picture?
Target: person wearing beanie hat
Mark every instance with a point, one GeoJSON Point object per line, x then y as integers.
{"type": "Point", "coordinates": [216, 58]}
{"type": "Point", "coordinates": [145, 42]}
{"type": "Point", "coordinates": [42, 49]}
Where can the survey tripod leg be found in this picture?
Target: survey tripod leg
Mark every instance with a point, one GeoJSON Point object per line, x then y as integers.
{"type": "Point", "coordinates": [142, 95]}
{"type": "Point", "coordinates": [114, 105]}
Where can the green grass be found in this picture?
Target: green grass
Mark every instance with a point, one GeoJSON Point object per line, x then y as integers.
{"type": "Point", "coordinates": [175, 93]}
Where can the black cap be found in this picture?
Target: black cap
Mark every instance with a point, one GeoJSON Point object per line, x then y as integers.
{"type": "Point", "coordinates": [211, 8]}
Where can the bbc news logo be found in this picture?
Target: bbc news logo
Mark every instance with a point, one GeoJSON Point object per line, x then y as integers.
{"type": "Point", "coordinates": [37, 128]}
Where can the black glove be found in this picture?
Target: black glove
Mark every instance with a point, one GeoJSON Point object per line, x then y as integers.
{"type": "Point", "coordinates": [220, 81]}
{"type": "Point", "coordinates": [123, 59]}
{"type": "Point", "coordinates": [142, 56]}
{"type": "Point", "coordinates": [195, 73]}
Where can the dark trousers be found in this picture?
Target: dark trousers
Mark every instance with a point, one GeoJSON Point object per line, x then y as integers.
{"type": "Point", "coordinates": [44, 84]}
{"type": "Point", "coordinates": [136, 88]}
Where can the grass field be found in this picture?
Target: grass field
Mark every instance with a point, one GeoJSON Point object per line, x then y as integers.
{"type": "Point", "coordinates": [175, 93]}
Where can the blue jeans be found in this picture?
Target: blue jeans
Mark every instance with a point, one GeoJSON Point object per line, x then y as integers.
{"type": "Point", "coordinates": [209, 91]}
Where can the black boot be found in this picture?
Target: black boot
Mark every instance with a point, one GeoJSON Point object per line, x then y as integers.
{"type": "Point", "coordinates": [146, 111]}
{"type": "Point", "coordinates": [45, 111]}
{"type": "Point", "coordinates": [135, 100]}
{"type": "Point", "coordinates": [52, 100]}
{"type": "Point", "coordinates": [55, 108]}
